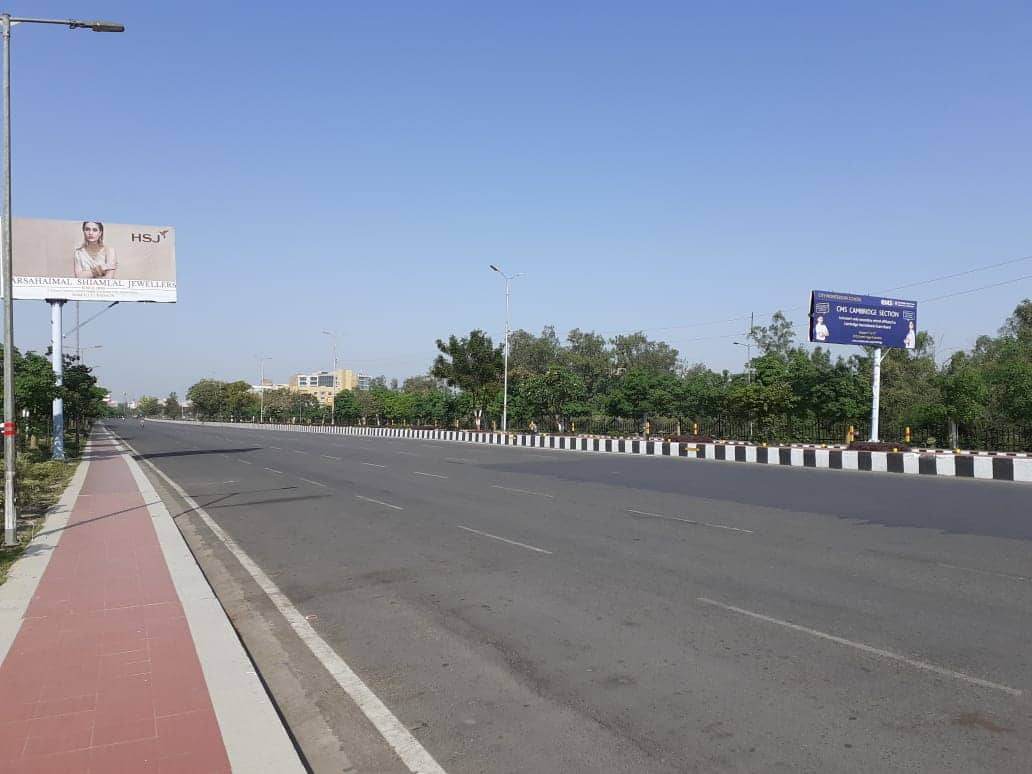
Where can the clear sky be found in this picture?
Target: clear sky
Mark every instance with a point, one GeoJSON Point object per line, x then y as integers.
{"type": "Point", "coordinates": [356, 166]}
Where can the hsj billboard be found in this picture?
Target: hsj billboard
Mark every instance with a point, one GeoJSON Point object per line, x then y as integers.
{"type": "Point", "coordinates": [91, 260]}
{"type": "Point", "coordinates": [869, 321]}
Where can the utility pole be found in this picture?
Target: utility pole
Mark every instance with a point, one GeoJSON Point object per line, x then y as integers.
{"type": "Point", "coordinates": [505, 367]}
{"type": "Point", "coordinates": [261, 386]}
{"type": "Point", "coordinates": [333, 378]}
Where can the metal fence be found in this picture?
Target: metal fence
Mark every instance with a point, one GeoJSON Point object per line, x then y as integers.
{"type": "Point", "coordinates": [990, 436]}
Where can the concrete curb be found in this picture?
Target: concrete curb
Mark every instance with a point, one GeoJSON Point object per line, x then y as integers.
{"type": "Point", "coordinates": [987, 467]}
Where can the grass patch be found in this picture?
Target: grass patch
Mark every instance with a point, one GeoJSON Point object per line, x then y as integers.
{"type": "Point", "coordinates": [39, 485]}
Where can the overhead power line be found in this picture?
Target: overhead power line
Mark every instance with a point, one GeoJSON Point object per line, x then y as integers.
{"type": "Point", "coordinates": [762, 315]}
{"type": "Point", "coordinates": [975, 290]}
{"type": "Point", "coordinates": [962, 273]}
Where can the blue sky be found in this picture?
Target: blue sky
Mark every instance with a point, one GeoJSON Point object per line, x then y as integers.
{"type": "Point", "coordinates": [356, 167]}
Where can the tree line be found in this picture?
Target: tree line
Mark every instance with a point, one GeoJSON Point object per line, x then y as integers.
{"type": "Point", "coordinates": [35, 388]}
{"type": "Point", "coordinates": [589, 383]}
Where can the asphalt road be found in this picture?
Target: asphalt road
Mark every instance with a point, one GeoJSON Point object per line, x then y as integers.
{"type": "Point", "coordinates": [523, 610]}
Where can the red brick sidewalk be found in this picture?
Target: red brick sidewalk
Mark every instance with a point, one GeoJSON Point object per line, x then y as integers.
{"type": "Point", "coordinates": [103, 676]}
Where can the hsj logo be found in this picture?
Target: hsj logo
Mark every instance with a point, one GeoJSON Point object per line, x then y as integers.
{"type": "Point", "coordinates": [150, 238]}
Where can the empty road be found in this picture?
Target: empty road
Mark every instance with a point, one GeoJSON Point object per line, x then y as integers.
{"type": "Point", "coordinates": [524, 610]}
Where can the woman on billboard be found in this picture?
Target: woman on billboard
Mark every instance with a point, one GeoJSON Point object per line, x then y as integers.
{"type": "Point", "coordinates": [910, 340]}
{"type": "Point", "coordinates": [94, 259]}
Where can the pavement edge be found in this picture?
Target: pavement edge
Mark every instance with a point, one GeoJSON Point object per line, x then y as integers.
{"type": "Point", "coordinates": [254, 736]}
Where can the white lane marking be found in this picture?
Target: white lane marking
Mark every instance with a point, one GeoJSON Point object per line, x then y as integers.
{"type": "Point", "coordinates": [308, 480]}
{"type": "Point", "coordinates": [923, 665]}
{"type": "Point", "coordinates": [688, 521]}
{"type": "Point", "coordinates": [523, 491]}
{"type": "Point", "coordinates": [298, 451]}
{"type": "Point", "coordinates": [435, 446]}
{"type": "Point", "coordinates": [407, 454]}
{"type": "Point", "coordinates": [273, 470]}
{"type": "Point", "coordinates": [277, 448]}
{"type": "Point", "coordinates": [374, 465]}
{"type": "Point", "coordinates": [504, 540]}
{"type": "Point", "coordinates": [987, 572]}
{"type": "Point", "coordinates": [328, 457]}
{"type": "Point", "coordinates": [246, 462]}
{"type": "Point", "coordinates": [406, 746]}
{"type": "Point", "coordinates": [459, 459]}
{"type": "Point", "coordinates": [432, 475]}
{"type": "Point", "coordinates": [380, 502]}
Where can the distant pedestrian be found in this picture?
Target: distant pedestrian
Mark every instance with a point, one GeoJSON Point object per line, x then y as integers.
{"type": "Point", "coordinates": [532, 427]}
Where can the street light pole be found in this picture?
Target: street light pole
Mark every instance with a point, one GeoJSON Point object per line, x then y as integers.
{"type": "Point", "coordinates": [748, 354]}
{"type": "Point", "coordinates": [505, 367]}
{"type": "Point", "coordinates": [333, 378]}
{"type": "Point", "coordinates": [10, 514]}
{"type": "Point", "coordinates": [261, 386]}
{"type": "Point", "coordinates": [82, 358]}
{"type": "Point", "coordinates": [7, 263]}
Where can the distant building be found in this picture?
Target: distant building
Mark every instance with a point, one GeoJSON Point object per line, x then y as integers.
{"type": "Point", "coordinates": [324, 384]}
{"type": "Point", "coordinates": [267, 385]}
{"type": "Point", "coordinates": [365, 381]}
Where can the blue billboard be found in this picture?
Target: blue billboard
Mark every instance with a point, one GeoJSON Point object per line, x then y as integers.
{"type": "Point", "coordinates": [868, 321]}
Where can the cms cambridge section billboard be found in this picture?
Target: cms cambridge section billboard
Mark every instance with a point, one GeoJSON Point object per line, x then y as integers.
{"type": "Point", "coordinates": [869, 321]}
{"type": "Point", "coordinates": [93, 260]}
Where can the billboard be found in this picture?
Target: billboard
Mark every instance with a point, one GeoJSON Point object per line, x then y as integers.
{"type": "Point", "coordinates": [92, 260]}
{"type": "Point", "coordinates": [869, 321]}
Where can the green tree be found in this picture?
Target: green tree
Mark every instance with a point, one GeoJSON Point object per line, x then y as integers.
{"type": "Point", "coordinates": [588, 358]}
{"type": "Point", "coordinates": [531, 355]}
{"type": "Point", "coordinates": [474, 365]}
{"type": "Point", "coordinates": [149, 406]}
{"type": "Point", "coordinates": [640, 393]}
{"type": "Point", "coordinates": [346, 407]}
{"type": "Point", "coordinates": [558, 393]}
{"type": "Point", "coordinates": [208, 397]}
{"type": "Point", "coordinates": [173, 408]}
{"type": "Point", "coordinates": [699, 395]}
{"type": "Point", "coordinates": [776, 338]}
{"type": "Point", "coordinates": [635, 351]}
{"type": "Point", "coordinates": [240, 401]}
{"type": "Point", "coordinates": [34, 390]}
{"type": "Point", "coordinates": [84, 400]}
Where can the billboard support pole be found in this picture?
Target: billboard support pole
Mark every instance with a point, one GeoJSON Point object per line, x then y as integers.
{"type": "Point", "coordinates": [876, 393]}
{"type": "Point", "coordinates": [57, 358]}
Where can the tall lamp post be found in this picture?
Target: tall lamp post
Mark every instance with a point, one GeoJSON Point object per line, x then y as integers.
{"type": "Point", "coordinates": [748, 375]}
{"type": "Point", "coordinates": [6, 265]}
{"type": "Point", "coordinates": [80, 350]}
{"type": "Point", "coordinates": [505, 367]}
{"type": "Point", "coordinates": [261, 386]}
{"type": "Point", "coordinates": [748, 354]}
{"type": "Point", "coordinates": [333, 378]}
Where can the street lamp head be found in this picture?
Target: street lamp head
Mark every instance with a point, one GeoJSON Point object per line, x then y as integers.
{"type": "Point", "coordinates": [495, 268]}
{"type": "Point", "coordinates": [97, 26]}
